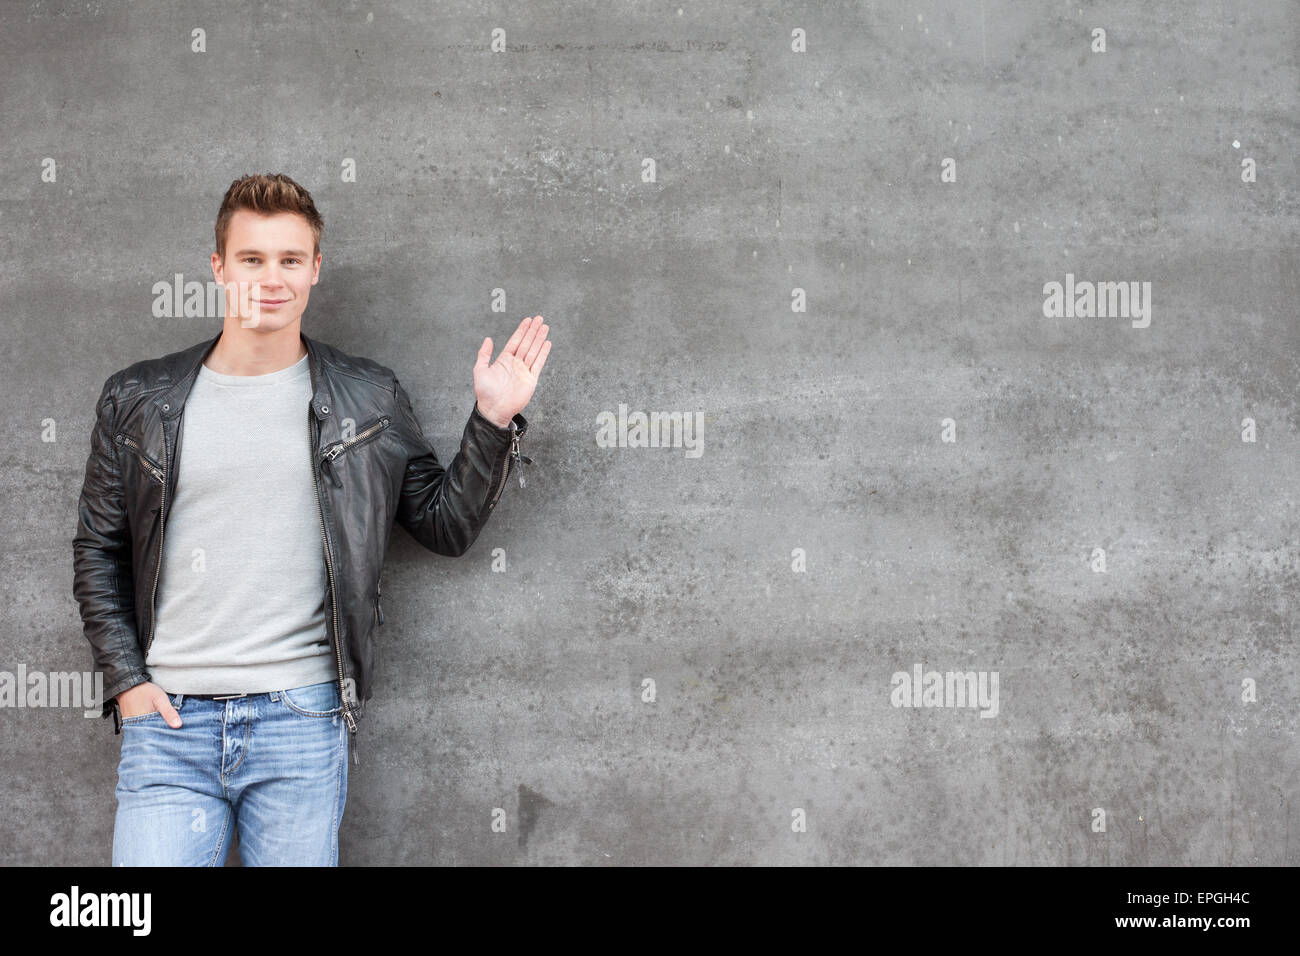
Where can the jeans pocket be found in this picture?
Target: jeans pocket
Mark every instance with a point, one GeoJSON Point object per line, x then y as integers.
{"type": "Point", "coordinates": [140, 718]}
{"type": "Point", "coordinates": [315, 700]}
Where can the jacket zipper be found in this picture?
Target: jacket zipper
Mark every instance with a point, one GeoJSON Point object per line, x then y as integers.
{"type": "Point", "coordinates": [144, 459]}
{"type": "Point", "coordinates": [329, 567]}
{"type": "Point", "coordinates": [514, 453]}
{"type": "Point", "coordinates": [343, 446]}
{"type": "Point", "coordinates": [162, 529]}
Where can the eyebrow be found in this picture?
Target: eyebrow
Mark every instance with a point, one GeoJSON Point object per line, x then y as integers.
{"type": "Point", "coordinates": [287, 252]}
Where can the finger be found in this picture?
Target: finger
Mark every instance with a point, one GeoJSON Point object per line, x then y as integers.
{"type": "Point", "coordinates": [518, 342]}
{"type": "Point", "coordinates": [512, 344]}
{"type": "Point", "coordinates": [541, 360]}
{"type": "Point", "coordinates": [528, 345]}
{"type": "Point", "coordinates": [163, 705]}
{"type": "Point", "coordinates": [484, 354]}
{"type": "Point", "coordinates": [540, 337]}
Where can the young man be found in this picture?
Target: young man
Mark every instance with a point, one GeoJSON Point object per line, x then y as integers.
{"type": "Point", "coordinates": [232, 527]}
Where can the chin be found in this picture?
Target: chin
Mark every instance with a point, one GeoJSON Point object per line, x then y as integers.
{"type": "Point", "coordinates": [273, 323]}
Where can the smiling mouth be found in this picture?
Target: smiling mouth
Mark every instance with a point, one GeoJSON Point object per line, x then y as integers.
{"type": "Point", "coordinates": [272, 301]}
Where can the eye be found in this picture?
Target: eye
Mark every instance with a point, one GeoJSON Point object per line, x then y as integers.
{"type": "Point", "coordinates": [250, 259]}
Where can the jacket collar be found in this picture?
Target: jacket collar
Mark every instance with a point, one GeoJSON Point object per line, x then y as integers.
{"type": "Point", "coordinates": [183, 368]}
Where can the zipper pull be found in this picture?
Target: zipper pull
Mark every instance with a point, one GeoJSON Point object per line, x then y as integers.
{"type": "Point", "coordinates": [329, 460]}
{"type": "Point", "coordinates": [519, 459]}
{"type": "Point", "coordinates": [353, 737]}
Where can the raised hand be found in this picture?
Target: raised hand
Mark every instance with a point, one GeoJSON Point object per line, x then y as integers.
{"type": "Point", "coordinates": [505, 387]}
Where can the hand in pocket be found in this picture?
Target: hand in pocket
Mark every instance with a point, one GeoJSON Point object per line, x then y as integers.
{"type": "Point", "coordinates": [145, 699]}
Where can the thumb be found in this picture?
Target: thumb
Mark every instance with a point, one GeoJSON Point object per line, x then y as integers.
{"type": "Point", "coordinates": [164, 706]}
{"type": "Point", "coordinates": [484, 353]}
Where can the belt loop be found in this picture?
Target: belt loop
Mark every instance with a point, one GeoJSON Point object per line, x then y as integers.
{"type": "Point", "coordinates": [177, 702]}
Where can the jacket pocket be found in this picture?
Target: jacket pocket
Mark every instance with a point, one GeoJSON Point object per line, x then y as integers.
{"type": "Point", "coordinates": [133, 446]}
{"type": "Point", "coordinates": [366, 433]}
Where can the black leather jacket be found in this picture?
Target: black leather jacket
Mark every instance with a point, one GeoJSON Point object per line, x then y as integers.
{"type": "Point", "coordinates": [386, 468]}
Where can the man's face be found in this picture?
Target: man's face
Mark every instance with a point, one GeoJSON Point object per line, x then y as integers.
{"type": "Point", "coordinates": [269, 259]}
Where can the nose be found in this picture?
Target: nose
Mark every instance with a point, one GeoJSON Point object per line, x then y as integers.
{"type": "Point", "coordinates": [270, 284]}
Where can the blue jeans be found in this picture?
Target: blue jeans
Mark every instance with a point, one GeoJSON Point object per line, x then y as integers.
{"type": "Point", "coordinates": [275, 764]}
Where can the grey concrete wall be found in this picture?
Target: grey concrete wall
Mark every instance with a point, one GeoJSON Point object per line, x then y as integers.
{"type": "Point", "coordinates": [919, 467]}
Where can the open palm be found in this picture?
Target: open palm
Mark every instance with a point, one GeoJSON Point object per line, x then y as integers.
{"type": "Point", "coordinates": [504, 387]}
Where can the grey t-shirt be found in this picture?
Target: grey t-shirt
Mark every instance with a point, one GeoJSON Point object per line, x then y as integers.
{"type": "Point", "coordinates": [241, 592]}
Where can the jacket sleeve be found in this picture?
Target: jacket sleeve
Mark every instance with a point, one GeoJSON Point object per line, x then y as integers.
{"type": "Point", "coordinates": [445, 508]}
{"type": "Point", "coordinates": [103, 583]}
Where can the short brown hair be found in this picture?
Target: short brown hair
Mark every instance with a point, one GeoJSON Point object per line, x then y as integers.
{"type": "Point", "coordinates": [267, 194]}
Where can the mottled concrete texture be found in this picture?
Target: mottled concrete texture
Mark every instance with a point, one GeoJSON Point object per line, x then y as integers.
{"type": "Point", "coordinates": [829, 536]}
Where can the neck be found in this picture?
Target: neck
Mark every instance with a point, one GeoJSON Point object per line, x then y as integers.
{"type": "Point", "coordinates": [252, 351]}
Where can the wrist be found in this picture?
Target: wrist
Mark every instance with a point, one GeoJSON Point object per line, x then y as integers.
{"type": "Point", "coordinates": [493, 417]}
